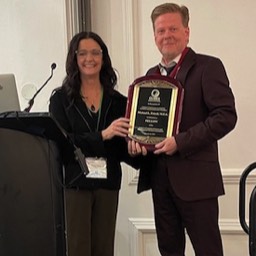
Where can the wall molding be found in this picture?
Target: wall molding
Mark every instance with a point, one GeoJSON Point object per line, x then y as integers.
{"type": "Point", "coordinates": [130, 35]}
{"type": "Point", "coordinates": [147, 225]}
{"type": "Point", "coordinates": [230, 176]}
{"type": "Point", "coordinates": [72, 20]}
{"type": "Point", "coordinates": [140, 227]}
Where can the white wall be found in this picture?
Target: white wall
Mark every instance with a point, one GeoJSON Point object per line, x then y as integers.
{"type": "Point", "coordinates": [221, 28]}
{"type": "Point", "coordinates": [32, 37]}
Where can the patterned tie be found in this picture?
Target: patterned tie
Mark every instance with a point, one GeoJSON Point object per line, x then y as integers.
{"type": "Point", "coordinates": [166, 71]}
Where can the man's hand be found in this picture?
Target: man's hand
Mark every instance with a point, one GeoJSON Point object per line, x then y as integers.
{"type": "Point", "coordinates": [168, 146]}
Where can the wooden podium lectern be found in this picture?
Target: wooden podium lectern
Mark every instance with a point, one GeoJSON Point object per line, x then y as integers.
{"type": "Point", "coordinates": [32, 218]}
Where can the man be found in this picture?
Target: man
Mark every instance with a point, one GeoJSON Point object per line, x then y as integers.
{"type": "Point", "coordinates": [184, 171]}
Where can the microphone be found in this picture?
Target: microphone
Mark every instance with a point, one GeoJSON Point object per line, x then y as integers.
{"type": "Point", "coordinates": [31, 101]}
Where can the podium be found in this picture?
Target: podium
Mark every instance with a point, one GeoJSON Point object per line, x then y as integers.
{"type": "Point", "coordinates": [32, 217]}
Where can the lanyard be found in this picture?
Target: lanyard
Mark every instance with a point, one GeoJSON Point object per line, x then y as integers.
{"type": "Point", "coordinates": [99, 112]}
{"type": "Point", "coordinates": [177, 67]}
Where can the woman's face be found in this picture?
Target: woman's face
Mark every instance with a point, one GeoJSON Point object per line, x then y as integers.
{"type": "Point", "coordinates": [89, 58]}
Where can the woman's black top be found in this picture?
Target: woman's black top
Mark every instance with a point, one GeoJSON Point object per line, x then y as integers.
{"type": "Point", "coordinates": [81, 126]}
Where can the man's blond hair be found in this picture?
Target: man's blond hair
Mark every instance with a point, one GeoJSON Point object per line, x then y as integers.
{"type": "Point", "coordinates": [170, 8]}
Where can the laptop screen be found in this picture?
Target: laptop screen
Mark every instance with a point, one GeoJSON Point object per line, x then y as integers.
{"type": "Point", "coordinates": [9, 100]}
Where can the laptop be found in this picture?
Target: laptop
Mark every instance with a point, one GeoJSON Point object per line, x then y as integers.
{"type": "Point", "coordinates": [9, 100]}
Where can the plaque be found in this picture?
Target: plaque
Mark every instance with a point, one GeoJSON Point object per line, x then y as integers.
{"type": "Point", "coordinates": [154, 109]}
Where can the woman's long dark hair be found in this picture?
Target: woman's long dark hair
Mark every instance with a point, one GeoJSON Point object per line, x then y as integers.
{"type": "Point", "coordinates": [72, 81]}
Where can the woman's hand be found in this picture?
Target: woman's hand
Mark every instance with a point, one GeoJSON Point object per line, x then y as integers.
{"type": "Point", "coordinates": [135, 149]}
{"type": "Point", "coordinates": [118, 127]}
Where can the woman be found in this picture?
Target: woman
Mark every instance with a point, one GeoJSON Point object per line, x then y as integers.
{"type": "Point", "coordinates": [91, 112]}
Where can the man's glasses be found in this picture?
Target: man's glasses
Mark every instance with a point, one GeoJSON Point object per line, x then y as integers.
{"type": "Point", "coordinates": [84, 53]}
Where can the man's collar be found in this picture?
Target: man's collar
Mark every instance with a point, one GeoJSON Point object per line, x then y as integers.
{"type": "Point", "coordinates": [171, 63]}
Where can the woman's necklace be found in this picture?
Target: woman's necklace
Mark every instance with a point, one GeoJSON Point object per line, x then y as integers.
{"type": "Point", "coordinates": [91, 105]}
{"type": "Point", "coordinates": [92, 101]}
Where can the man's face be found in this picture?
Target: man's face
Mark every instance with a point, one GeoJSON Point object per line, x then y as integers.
{"type": "Point", "coordinates": [171, 36]}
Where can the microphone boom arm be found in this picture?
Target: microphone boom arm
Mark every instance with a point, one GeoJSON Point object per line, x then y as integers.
{"type": "Point", "coordinates": [31, 101]}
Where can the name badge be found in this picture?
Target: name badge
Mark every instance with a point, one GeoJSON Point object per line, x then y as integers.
{"type": "Point", "coordinates": [97, 168]}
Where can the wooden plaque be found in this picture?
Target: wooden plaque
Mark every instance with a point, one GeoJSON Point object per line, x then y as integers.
{"type": "Point", "coordinates": [154, 108]}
